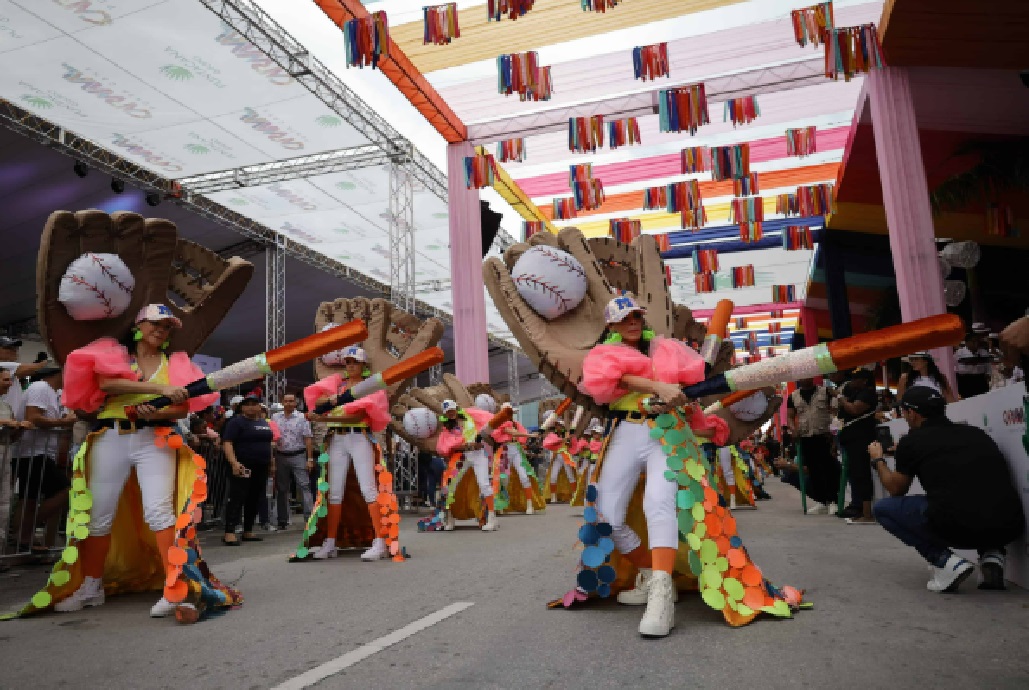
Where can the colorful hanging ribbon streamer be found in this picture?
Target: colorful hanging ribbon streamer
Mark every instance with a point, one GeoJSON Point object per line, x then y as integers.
{"type": "Point", "coordinates": [816, 200]}
{"type": "Point", "coordinates": [704, 282]}
{"type": "Point", "coordinates": [796, 237]}
{"type": "Point", "coordinates": [705, 260]}
{"type": "Point", "coordinates": [366, 40]}
{"type": "Point", "coordinates": [743, 276]}
{"type": "Point", "coordinates": [588, 195]}
{"type": "Point", "coordinates": [668, 275]}
{"type": "Point", "coordinates": [625, 230]}
{"type": "Point", "coordinates": [742, 111]}
{"type": "Point", "coordinates": [531, 227]}
{"type": "Point", "coordinates": [683, 109]}
{"type": "Point", "coordinates": [786, 204]}
{"type": "Point", "coordinates": [440, 24]}
{"type": "Point", "coordinates": [479, 171]}
{"type": "Point", "coordinates": [741, 323]}
{"type": "Point", "coordinates": [598, 5]}
{"type": "Point", "coordinates": [585, 134]}
{"type": "Point", "coordinates": [770, 352]}
{"type": "Point", "coordinates": [746, 185]}
{"type": "Point", "coordinates": [511, 150]}
{"type": "Point", "coordinates": [776, 314]}
{"type": "Point", "coordinates": [1000, 221]}
{"type": "Point", "coordinates": [521, 73]}
{"type": "Point", "coordinates": [695, 159]}
{"type": "Point", "coordinates": [685, 199]}
{"type": "Point", "coordinates": [693, 219]}
{"type": "Point", "coordinates": [564, 209]}
{"type": "Point", "coordinates": [655, 198]}
{"type": "Point", "coordinates": [650, 62]}
{"type": "Point", "coordinates": [852, 50]}
{"type": "Point", "coordinates": [730, 162]}
{"type": "Point", "coordinates": [513, 9]}
{"type": "Point", "coordinates": [623, 132]}
{"type": "Point", "coordinates": [746, 210]}
{"type": "Point", "coordinates": [781, 294]}
{"type": "Point", "coordinates": [751, 232]}
{"type": "Point", "coordinates": [774, 340]}
{"type": "Point", "coordinates": [775, 327]}
{"type": "Point", "coordinates": [810, 23]}
{"type": "Point", "coordinates": [801, 141]}
{"type": "Point", "coordinates": [664, 241]}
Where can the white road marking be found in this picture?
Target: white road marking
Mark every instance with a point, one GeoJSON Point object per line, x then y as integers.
{"type": "Point", "coordinates": [340, 663]}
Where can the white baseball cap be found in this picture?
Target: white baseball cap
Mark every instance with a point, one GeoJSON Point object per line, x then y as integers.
{"type": "Point", "coordinates": [356, 353]}
{"type": "Point", "coordinates": [921, 354]}
{"type": "Point", "coordinates": [980, 328]}
{"type": "Point", "coordinates": [235, 400]}
{"type": "Point", "coordinates": [157, 312]}
{"type": "Point", "coordinates": [620, 307]}
{"type": "Point", "coordinates": [449, 405]}
{"type": "Point", "coordinates": [277, 407]}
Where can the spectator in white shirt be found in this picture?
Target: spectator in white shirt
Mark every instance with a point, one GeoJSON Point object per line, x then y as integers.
{"type": "Point", "coordinates": [924, 372]}
{"type": "Point", "coordinates": [42, 485]}
{"type": "Point", "coordinates": [294, 456]}
{"type": "Point", "coordinates": [973, 363]}
{"type": "Point", "coordinates": [10, 430]}
{"type": "Point", "coordinates": [9, 361]}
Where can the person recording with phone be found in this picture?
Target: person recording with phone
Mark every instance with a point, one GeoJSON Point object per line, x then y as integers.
{"type": "Point", "coordinates": [247, 442]}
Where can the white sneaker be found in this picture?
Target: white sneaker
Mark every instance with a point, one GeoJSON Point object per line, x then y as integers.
{"type": "Point", "coordinates": [377, 552]}
{"type": "Point", "coordinates": [326, 550]}
{"type": "Point", "coordinates": [448, 522]}
{"type": "Point", "coordinates": [491, 522]}
{"type": "Point", "coordinates": [162, 608]}
{"type": "Point", "coordinates": [832, 508]}
{"type": "Point", "coordinates": [659, 618]}
{"type": "Point", "coordinates": [553, 498]}
{"type": "Point", "coordinates": [89, 593]}
{"type": "Point", "coordinates": [638, 595]}
{"type": "Point", "coordinates": [818, 509]}
{"type": "Point", "coordinates": [952, 574]}
{"type": "Point", "coordinates": [732, 501]}
{"type": "Point", "coordinates": [529, 510]}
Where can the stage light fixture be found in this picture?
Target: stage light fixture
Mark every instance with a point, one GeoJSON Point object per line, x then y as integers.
{"type": "Point", "coordinates": [80, 168]}
{"type": "Point", "coordinates": [117, 186]}
{"type": "Point", "coordinates": [153, 198]}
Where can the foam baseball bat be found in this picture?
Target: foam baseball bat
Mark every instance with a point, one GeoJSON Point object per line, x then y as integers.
{"type": "Point", "coordinates": [505, 414]}
{"type": "Point", "coordinates": [552, 418]}
{"type": "Point", "coordinates": [728, 401]}
{"type": "Point", "coordinates": [943, 330]}
{"type": "Point", "coordinates": [258, 366]}
{"type": "Point", "coordinates": [716, 333]}
{"type": "Point", "coordinates": [412, 366]}
{"type": "Point", "coordinates": [577, 418]}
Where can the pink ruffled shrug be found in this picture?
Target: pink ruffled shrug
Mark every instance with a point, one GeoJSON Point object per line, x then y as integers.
{"type": "Point", "coordinates": [374, 407]}
{"type": "Point", "coordinates": [106, 358]}
{"type": "Point", "coordinates": [596, 446]}
{"type": "Point", "coordinates": [503, 434]}
{"type": "Point", "coordinates": [670, 361]}
{"type": "Point", "coordinates": [448, 440]}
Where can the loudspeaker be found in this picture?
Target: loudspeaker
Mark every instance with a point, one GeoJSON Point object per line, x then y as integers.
{"type": "Point", "coordinates": [490, 225]}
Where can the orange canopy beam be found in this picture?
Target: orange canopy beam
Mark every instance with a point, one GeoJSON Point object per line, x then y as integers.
{"type": "Point", "coordinates": [399, 69]}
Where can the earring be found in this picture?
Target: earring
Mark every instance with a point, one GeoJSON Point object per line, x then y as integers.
{"type": "Point", "coordinates": [137, 334]}
{"type": "Point", "coordinates": [613, 339]}
{"type": "Point", "coordinates": [165, 344]}
{"type": "Point", "coordinates": [648, 334]}
{"type": "Point", "coordinates": [367, 372]}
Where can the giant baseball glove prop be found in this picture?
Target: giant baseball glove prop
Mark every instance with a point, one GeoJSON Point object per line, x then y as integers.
{"type": "Point", "coordinates": [558, 346]}
{"type": "Point", "coordinates": [198, 285]}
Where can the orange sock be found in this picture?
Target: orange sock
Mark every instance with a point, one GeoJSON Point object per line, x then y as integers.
{"type": "Point", "coordinates": [165, 540]}
{"type": "Point", "coordinates": [93, 552]}
{"type": "Point", "coordinates": [376, 515]}
{"type": "Point", "coordinates": [663, 558]}
{"type": "Point", "coordinates": [528, 493]}
{"type": "Point", "coordinates": [553, 489]}
{"type": "Point", "coordinates": [332, 519]}
{"type": "Point", "coordinates": [489, 503]}
{"type": "Point", "coordinates": [639, 557]}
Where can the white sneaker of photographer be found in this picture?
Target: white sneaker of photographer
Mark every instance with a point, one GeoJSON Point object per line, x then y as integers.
{"type": "Point", "coordinates": [952, 574]}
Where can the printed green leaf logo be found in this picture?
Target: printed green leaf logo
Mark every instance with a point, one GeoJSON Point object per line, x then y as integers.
{"type": "Point", "coordinates": [198, 149]}
{"type": "Point", "coordinates": [176, 72]}
{"type": "Point", "coordinates": [343, 257]}
{"type": "Point", "coordinates": [37, 102]}
{"type": "Point", "coordinates": [329, 121]}
{"type": "Point", "coordinates": [434, 247]}
{"type": "Point", "coordinates": [346, 186]}
{"type": "Point", "coordinates": [237, 201]}
{"type": "Point", "coordinates": [441, 215]}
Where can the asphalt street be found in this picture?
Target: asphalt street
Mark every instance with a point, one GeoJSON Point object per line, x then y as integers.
{"type": "Point", "coordinates": [470, 610]}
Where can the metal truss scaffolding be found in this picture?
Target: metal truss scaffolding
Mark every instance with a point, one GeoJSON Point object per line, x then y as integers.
{"type": "Point", "coordinates": [512, 378]}
{"type": "Point", "coordinates": [275, 312]}
{"type": "Point", "coordinates": [401, 236]}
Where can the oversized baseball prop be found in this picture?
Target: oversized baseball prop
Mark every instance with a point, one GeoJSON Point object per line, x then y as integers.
{"type": "Point", "coordinates": [485, 402]}
{"type": "Point", "coordinates": [750, 408]}
{"type": "Point", "coordinates": [716, 332]}
{"type": "Point", "coordinates": [556, 414]}
{"type": "Point", "coordinates": [334, 358]}
{"type": "Point", "coordinates": [280, 358]}
{"type": "Point", "coordinates": [506, 414]}
{"type": "Point", "coordinates": [550, 280]}
{"type": "Point", "coordinates": [577, 418]}
{"type": "Point", "coordinates": [412, 366]}
{"type": "Point", "coordinates": [943, 330]}
{"type": "Point", "coordinates": [420, 422]}
{"type": "Point", "coordinates": [96, 286]}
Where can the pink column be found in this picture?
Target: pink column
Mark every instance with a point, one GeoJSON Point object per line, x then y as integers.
{"type": "Point", "coordinates": [810, 326]}
{"type": "Point", "coordinates": [906, 200]}
{"type": "Point", "coordinates": [471, 346]}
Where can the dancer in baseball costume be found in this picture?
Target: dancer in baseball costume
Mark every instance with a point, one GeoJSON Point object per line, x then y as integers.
{"type": "Point", "coordinates": [589, 452]}
{"type": "Point", "coordinates": [459, 441]}
{"type": "Point", "coordinates": [522, 487]}
{"type": "Point", "coordinates": [562, 446]}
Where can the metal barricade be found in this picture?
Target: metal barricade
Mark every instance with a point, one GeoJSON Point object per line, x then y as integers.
{"type": "Point", "coordinates": [405, 472]}
{"type": "Point", "coordinates": [218, 472]}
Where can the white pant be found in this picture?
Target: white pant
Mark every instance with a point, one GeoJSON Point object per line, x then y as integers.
{"type": "Point", "coordinates": [725, 459]}
{"type": "Point", "coordinates": [556, 463]}
{"type": "Point", "coordinates": [477, 460]}
{"type": "Point", "coordinates": [113, 455]}
{"type": "Point", "coordinates": [515, 465]}
{"type": "Point", "coordinates": [630, 452]}
{"type": "Point", "coordinates": [344, 448]}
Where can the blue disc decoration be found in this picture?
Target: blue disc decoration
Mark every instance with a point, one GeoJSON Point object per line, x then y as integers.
{"type": "Point", "coordinates": [604, 529]}
{"type": "Point", "coordinates": [589, 514]}
{"type": "Point", "coordinates": [588, 535]}
{"type": "Point", "coordinates": [191, 556]}
{"type": "Point", "coordinates": [606, 574]}
{"type": "Point", "coordinates": [587, 580]}
{"type": "Point", "coordinates": [604, 591]}
{"type": "Point", "coordinates": [735, 542]}
{"type": "Point", "coordinates": [593, 557]}
{"type": "Point", "coordinates": [591, 493]}
{"type": "Point", "coordinates": [607, 545]}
